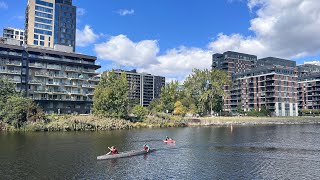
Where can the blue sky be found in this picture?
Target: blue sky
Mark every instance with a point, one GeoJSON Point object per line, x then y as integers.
{"type": "Point", "coordinates": [171, 37]}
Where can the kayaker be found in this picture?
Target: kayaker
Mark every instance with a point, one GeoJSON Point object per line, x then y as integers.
{"type": "Point", "coordinates": [167, 138]}
{"type": "Point", "coordinates": [146, 147]}
{"type": "Point", "coordinates": [113, 150]}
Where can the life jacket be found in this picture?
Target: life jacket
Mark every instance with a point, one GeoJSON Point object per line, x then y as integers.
{"type": "Point", "coordinates": [115, 151]}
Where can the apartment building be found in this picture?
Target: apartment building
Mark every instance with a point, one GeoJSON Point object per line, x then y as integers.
{"type": "Point", "coordinates": [59, 82]}
{"type": "Point", "coordinates": [232, 63]}
{"type": "Point", "coordinates": [15, 34]}
{"type": "Point", "coordinates": [143, 87]}
{"type": "Point", "coordinates": [271, 86]}
{"type": "Point", "coordinates": [50, 23]}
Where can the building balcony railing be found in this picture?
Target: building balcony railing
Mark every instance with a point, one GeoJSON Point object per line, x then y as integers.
{"type": "Point", "coordinates": [42, 74]}
{"type": "Point", "coordinates": [10, 53]}
{"type": "Point", "coordinates": [53, 67]}
{"type": "Point", "coordinates": [72, 69]}
{"type": "Point", "coordinates": [5, 71]}
{"type": "Point", "coordinates": [13, 63]}
{"type": "Point", "coordinates": [36, 65]}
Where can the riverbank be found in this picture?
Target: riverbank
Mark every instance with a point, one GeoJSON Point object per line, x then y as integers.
{"type": "Point", "coordinates": [227, 121]}
{"type": "Point", "coordinates": [94, 123]}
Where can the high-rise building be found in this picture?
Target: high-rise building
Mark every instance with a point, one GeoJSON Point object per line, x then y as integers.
{"type": "Point", "coordinates": [59, 82]}
{"type": "Point", "coordinates": [50, 22]}
{"type": "Point", "coordinates": [143, 87]}
{"type": "Point", "coordinates": [13, 33]}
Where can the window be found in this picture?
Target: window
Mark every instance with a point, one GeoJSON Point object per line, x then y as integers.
{"type": "Point", "coordinates": [41, 37]}
{"type": "Point", "coordinates": [39, 8]}
{"type": "Point", "coordinates": [41, 43]}
{"type": "Point", "coordinates": [36, 36]}
{"type": "Point", "coordinates": [43, 26]}
{"type": "Point", "coordinates": [17, 32]}
{"type": "Point", "coordinates": [21, 33]}
{"type": "Point", "coordinates": [44, 3]}
{"type": "Point", "coordinates": [39, 31]}
{"type": "Point", "coordinates": [45, 15]}
{"type": "Point", "coordinates": [49, 44]}
{"type": "Point", "coordinates": [47, 21]}
{"type": "Point", "coordinates": [35, 42]}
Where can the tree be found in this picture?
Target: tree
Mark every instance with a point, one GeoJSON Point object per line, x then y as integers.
{"type": "Point", "coordinates": [111, 96]}
{"type": "Point", "coordinates": [169, 95]}
{"type": "Point", "coordinates": [140, 111]}
{"type": "Point", "coordinates": [205, 87]}
{"type": "Point", "coordinates": [19, 110]}
{"type": "Point", "coordinates": [155, 106]}
{"type": "Point", "coordinates": [179, 109]}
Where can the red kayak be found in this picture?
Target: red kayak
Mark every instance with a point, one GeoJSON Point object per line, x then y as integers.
{"type": "Point", "coordinates": [169, 141]}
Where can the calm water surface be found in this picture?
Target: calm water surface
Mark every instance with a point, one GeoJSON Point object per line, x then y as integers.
{"type": "Point", "coordinates": [261, 152]}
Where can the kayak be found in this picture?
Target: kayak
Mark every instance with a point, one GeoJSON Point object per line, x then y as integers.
{"type": "Point", "coordinates": [169, 141]}
{"type": "Point", "coordinates": [124, 154]}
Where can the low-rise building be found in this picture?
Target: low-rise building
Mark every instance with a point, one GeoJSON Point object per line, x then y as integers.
{"type": "Point", "coordinates": [15, 34]}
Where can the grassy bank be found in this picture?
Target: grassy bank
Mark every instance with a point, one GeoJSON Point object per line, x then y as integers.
{"type": "Point", "coordinates": [94, 123]}
{"type": "Point", "coordinates": [207, 121]}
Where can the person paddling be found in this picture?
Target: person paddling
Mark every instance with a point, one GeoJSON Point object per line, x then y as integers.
{"type": "Point", "coordinates": [167, 138]}
{"type": "Point", "coordinates": [113, 150]}
{"type": "Point", "coordinates": [146, 147]}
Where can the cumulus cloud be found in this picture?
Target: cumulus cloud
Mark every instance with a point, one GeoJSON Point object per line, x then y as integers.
{"type": "Point", "coordinates": [125, 12]}
{"type": "Point", "coordinates": [3, 5]}
{"type": "Point", "coordinates": [175, 63]}
{"type": "Point", "coordinates": [123, 51]}
{"type": "Point", "coordinates": [86, 36]}
{"type": "Point", "coordinates": [284, 28]}
{"type": "Point", "coordinates": [81, 11]}
{"type": "Point", "coordinates": [280, 28]}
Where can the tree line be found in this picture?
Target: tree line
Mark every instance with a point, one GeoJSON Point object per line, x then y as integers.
{"type": "Point", "coordinates": [201, 93]}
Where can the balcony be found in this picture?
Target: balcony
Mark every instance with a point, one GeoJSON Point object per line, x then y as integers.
{"type": "Point", "coordinates": [37, 65]}
{"type": "Point", "coordinates": [71, 69]}
{"type": "Point", "coordinates": [13, 63]}
{"type": "Point", "coordinates": [5, 71]}
{"type": "Point", "coordinates": [53, 67]}
{"type": "Point", "coordinates": [10, 53]}
{"type": "Point", "coordinates": [41, 74]}
{"type": "Point", "coordinates": [53, 84]}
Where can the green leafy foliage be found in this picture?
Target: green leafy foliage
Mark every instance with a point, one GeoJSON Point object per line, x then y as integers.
{"type": "Point", "coordinates": [111, 96]}
{"type": "Point", "coordinates": [179, 109]}
{"type": "Point", "coordinates": [140, 111]}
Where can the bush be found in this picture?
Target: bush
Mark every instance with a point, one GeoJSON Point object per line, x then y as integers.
{"type": "Point", "coordinates": [140, 112]}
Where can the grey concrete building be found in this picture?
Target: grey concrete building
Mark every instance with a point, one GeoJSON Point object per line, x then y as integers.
{"type": "Point", "coordinates": [15, 34]}
{"type": "Point", "coordinates": [143, 87]}
{"type": "Point", "coordinates": [59, 82]}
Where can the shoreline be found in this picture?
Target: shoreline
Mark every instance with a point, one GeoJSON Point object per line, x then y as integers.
{"type": "Point", "coordinates": [243, 121]}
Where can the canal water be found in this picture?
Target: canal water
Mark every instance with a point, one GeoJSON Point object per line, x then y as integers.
{"type": "Point", "coordinates": [253, 152]}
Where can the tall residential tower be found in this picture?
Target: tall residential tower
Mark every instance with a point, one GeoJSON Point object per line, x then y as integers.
{"type": "Point", "coordinates": [50, 23]}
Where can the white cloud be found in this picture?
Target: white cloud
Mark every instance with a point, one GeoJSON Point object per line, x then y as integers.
{"type": "Point", "coordinates": [280, 28]}
{"type": "Point", "coordinates": [81, 11]}
{"type": "Point", "coordinates": [86, 36]}
{"type": "Point", "coordinates": [143, 55]}
{"type": "Point", "coordinates": [125, 12]}
{"type": "Point", "coordinates": [123, 51]}
{"type": "Point", "coordinates": [284, 28]}
{"type": "Point", "coordinates": [3, 5]}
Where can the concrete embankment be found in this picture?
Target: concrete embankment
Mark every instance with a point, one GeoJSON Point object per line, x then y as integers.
{"type": "Point", "coordinates": [226, 121]}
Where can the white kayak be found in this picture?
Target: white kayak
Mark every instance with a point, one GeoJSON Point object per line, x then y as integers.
{"type": "Point", "coordinates": [124, 154]}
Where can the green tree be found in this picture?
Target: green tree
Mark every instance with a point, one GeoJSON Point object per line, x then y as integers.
{"type": "Point", "coordinates": [155, 106]}
{"type": "Point", "coordinates": [169, 95]}
{"type": "Point", "coordinates": [205, 87]}
{"type": "Point", "coordinates": [140, 111]}
{"type": "Point", "coordinates": [111, 96]}
{"type": "Point", "coordinates": [179, 109]}
{"type": "Point", "coordinates": [19, 110]}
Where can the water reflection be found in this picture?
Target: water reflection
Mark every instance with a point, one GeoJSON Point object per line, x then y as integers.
{"type": "Point", "coordinates": [262, 152]}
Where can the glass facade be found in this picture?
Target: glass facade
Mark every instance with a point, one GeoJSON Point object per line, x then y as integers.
{"type": "Point", "coordinates": [65, 23]}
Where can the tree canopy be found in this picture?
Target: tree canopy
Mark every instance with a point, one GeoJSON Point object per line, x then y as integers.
{"type": "Point", "coordinates": [111, 96]}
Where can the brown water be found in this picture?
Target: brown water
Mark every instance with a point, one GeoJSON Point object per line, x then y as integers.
{"type": "Point", "coordinates": [261, 152]}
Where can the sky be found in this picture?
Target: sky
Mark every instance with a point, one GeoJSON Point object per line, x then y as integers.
{"type": "Point", "coordinates": [171, 37]}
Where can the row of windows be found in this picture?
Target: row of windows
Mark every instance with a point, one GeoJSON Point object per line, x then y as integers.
{"type": "Point", "coordinates": [39, 8]}
{"type": "Point", "coordinates": [43, 3]}
{"type": "Point", "coordinates": [43, 26]}
{"type": "Point", "coordinates": [47, 21]}
{"type": "Point", "coordinates": [36, 36]}
{"type": "Point", "coordinates": [39, 31]}
{"type": "Point", "coordinates": [36, 42]}
{"type": "Point", "coordinates": [45, 15]}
